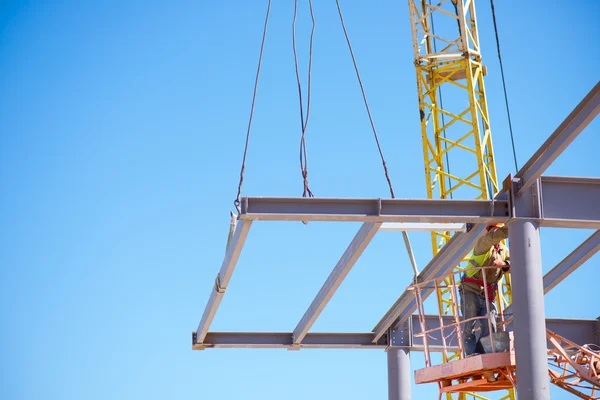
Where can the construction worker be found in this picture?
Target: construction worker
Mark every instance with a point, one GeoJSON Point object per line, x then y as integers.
{"type": "Point", "coordinates": [488, 251]}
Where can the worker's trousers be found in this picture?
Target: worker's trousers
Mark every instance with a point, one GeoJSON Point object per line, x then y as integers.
{"type": "Point", "coordinates": [473, 305]}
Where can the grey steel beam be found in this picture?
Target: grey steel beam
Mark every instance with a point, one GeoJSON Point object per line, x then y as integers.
{"type": "Point", "coordinates": [571, 262]}
{"type": "Point", "coordinates": [447, 258]}
{"type": "Point", "coordinates": [373, 210]}
{"type": "Point", "coordinates": [566, 132]}
{"type": "Point", "coordinates": [577, 330]}
{"type": "Point", "coordinates": [528, 320]}
{"type": "Point", "coordinates": [360, 242]}
{"type": "Point", "coordinates": [568, 202]}
{"type": "Point", "coordinates": [399, 374]}
{"type": "Point", "coordinates": [558, 202]}
{"type": "Point", "coordinates": [423, 227]}
{"type": "Point", "coordinates": [232, 255]}
{"type": "Point", "coordinates": [565, 202]}
{"type": "Point", "coordinates": [283, 340]}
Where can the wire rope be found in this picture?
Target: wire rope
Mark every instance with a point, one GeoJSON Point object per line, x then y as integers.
{"type": "Point", "coordinates": [385, 169]}
{"type": "Point", "coordinates": [303, 121]}
{"type": "Point", "coordinates": [512, 138]}
{"type": "Point", "coordinates": [243, 167]}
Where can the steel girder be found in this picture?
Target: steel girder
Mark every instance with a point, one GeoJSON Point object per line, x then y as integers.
{"type": "Point", "coordinates": [577, 330]}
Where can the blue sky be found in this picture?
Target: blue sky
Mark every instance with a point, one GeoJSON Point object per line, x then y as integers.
{"type": "Point", "coordinates": [121, 136]}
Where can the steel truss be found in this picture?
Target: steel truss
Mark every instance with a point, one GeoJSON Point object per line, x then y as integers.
{"type": "Point", "coordinates": [526, 202]}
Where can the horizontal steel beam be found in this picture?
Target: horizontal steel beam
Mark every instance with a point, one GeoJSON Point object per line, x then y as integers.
{"type": "Point", "coordinates": [232, 255]}
{"type": "Point", "coordinates": [566, 132]}
{"type": "Point", "coordinates": [571, 262]}
{"type": "Point", "coordinates": [372, 210]}
{"type": "Point", "coordinates": [565, 202]}
{"type": "Point", "coordinates": [423, 227]}
{"type": "Point", "coordinates": [443, 262]}
{"type": "Point", "coordinates": [360, 242]}
{"type": "Point", "coordinates": [280, 340]}
{"type": "Point", "coordinates": [558, 202]}
{"type": "Point", "coordinates": [578, 331]}
{"type": "Point", "coordinates": [570, 202]}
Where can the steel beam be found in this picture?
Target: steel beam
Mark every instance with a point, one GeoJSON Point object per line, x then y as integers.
{"type": "Point", "coordinates": [566, 132]}
{"type": "Point", "coordinates": [576, 330]}
{"type": "Point", "coordinates": [283, 340]}
{"type": "Point", "coordinates": [571, 262]}
{"type": "Point", "coordinates": [232, 255]}
{"type": "Point", "coordinates": [423, 227]}
{"type": "Point", "coordinates": [565, 202]}
{"type": "Point", "coordinates": [373, 210]}
{"type": "Point", "coordinates": [360, 242]}
{"type": "Point", "coordinates": [447, 258]}
{"type": "Point", "coordinates": [528, 320]}
{"type": "Point", "coordinates": [558, 202]}
{"type": "Point", "coordinates": [570, 202]}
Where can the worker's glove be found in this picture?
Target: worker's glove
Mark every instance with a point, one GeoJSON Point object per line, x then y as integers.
{"type": "Point", "coordinates": [505, 265]}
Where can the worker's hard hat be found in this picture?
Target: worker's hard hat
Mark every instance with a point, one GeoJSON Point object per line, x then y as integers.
{"type": "Point", "coordinates": [490, 226]}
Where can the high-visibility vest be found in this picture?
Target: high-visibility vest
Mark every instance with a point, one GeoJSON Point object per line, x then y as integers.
{"type": "Point", "coordinates": [477, 262]}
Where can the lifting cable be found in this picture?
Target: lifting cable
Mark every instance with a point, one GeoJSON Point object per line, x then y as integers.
{"type": "Point", "coordinates": [365, 101]}
{"type": "Point", "coordinates": [262, 47]}
{"type": "Point", "coordinates": [387, 176]}
{"type": "Point", "coordinates": [303, 121]}
{"type": "Point", "coordinates": [512, 138]}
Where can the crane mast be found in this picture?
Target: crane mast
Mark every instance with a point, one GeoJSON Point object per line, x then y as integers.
{"type": "Point", "coordinates": [448, 60]}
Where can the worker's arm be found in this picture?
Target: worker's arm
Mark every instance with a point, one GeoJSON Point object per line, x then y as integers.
{"type": "Point", "coordinates": [491, 238]}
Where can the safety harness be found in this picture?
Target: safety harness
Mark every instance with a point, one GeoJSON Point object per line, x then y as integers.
{"type": "Point", "coordinates": [491, 289]}
{"type": "Point", "coordinates": [476, 262]}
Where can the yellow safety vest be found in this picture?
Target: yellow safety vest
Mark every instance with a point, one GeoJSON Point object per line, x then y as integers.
{"type": "Point", "coordinates": [477, 262]}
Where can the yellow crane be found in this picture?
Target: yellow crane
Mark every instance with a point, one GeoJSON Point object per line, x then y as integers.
{"type": "Point", "coordinates": [449, 63]}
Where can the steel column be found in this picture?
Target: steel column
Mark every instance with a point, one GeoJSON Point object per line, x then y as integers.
{"type": "Point", "coordinates": [399, 374]}
{"type": "Point", "coordinates": [528, 316]}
